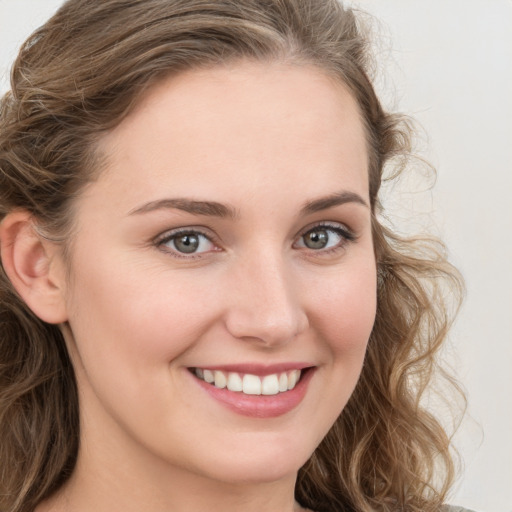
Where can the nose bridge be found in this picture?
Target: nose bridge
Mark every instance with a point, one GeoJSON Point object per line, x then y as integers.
{"type": "Point", "coordinates": [265, 305]}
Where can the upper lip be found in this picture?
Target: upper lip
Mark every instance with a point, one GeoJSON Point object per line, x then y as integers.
{"type": "Point", "coordinates": [257, 369]}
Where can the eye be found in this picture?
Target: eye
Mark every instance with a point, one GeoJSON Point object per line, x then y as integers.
{"type": "Point", "coordinates": [186, 242]}
{"type": "Point", "coordinates": [325, 237]}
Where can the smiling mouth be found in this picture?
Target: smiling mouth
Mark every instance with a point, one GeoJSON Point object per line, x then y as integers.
{"type": "Point", "coordinates": [249, 384]}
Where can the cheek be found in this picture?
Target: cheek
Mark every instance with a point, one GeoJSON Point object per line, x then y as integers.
{"type": "Point", "coordinates": [345, 310]}
{"type": "Point", "coordinates": [342, 314]}
{"type": "Point", "coordinates": [132, 313]}
{"type": "Point", "coordinates": [129, 329]}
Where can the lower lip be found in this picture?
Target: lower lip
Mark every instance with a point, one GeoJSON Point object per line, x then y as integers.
{"type": "Point", "coordinates": [260, 406]}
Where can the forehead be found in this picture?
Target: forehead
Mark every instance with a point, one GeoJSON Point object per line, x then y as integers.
{"type": "Point", "coordinates": [242, 125]}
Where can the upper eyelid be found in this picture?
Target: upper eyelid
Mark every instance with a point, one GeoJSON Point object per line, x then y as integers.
{"type": "Point", "coordinates": [337, 226]}
{"type": "Point", "coordinates": [170, 233]}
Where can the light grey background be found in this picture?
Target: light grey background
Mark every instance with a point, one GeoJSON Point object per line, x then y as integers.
{"type": "Point", "coordinates": [449, 64]}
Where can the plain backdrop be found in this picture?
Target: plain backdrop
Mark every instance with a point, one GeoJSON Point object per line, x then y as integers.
{"type": "Point", "coordinates": [448, 63]}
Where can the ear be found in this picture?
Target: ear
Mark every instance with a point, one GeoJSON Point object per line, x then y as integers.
{"type": "Point", "coordinates": [34, 267]}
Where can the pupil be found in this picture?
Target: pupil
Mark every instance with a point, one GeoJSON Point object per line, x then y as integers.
{"type": "Point", "coordinates": [187, 243]}
{"type": "Point", "coordinates": [316, 239]}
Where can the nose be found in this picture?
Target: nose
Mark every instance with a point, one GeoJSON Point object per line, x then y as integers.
{"type": "Point", "coordinates": [265, 305]}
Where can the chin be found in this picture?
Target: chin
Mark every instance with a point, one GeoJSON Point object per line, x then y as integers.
{"type": "Point", "coordinates": [249, 472]}
{"type": "Point", "coordinates": [263, 460]}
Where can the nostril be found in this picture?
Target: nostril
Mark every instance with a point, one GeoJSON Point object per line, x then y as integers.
{"type": "Point", "coordinates": [265, 308]}
{"type": "Point", "coordinates": [266, 328]}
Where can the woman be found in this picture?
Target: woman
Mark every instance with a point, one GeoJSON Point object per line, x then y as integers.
{"type": "Point", "coordinates": [200, 309]}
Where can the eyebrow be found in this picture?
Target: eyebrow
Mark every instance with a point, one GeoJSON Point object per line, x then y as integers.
{"type": "Point", "coordinates": [208, 208]}
{"type": "Point", "coordinates": [215, 209]}
{"type": "Point", "coordinates": [331, 201]}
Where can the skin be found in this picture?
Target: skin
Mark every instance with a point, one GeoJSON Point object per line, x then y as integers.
{"type": "Point", "coordinates": [263, 139]}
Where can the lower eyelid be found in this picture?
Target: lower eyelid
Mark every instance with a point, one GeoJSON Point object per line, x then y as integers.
{"type": "Point", "coordinates": [345, 235]}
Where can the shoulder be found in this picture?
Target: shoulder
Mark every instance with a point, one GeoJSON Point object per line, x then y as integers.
{"type": "Point", "coordinates": [451, 508]}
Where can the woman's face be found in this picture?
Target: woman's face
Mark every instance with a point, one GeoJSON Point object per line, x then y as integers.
{"type": "Point", "coordinates": [228, 238]}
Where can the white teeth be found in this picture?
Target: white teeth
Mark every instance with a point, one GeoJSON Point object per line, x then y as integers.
{"type": "Point", "coordinates": [234, 382]}
{"type": "Point", "coordinates": [250, 384]}
{"type": "Point", "coordinates": [220, 379]}
{"type": "Point", "coordinates": [270, 385]}
{"type": "Point", "coordinates": [293, 377]}
{"type": "Point", "coordinates": [208, 376]}
{"type": "Point", "coordinates": [283, 382]}
{"type": "Point", "coordinates": [297, 376]}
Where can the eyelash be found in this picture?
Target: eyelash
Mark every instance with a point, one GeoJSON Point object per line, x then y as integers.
{"type": "Point", "coordinates": [347, 236]}
{"type": "Point", "coordinates": [169, 236]}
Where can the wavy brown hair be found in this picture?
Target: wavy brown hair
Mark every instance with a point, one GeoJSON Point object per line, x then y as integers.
{"type": "Point", "coordinates": [78, 76]}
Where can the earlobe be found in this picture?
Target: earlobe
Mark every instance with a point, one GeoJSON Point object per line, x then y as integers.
{"type": "Point", "coordinates": [33, 267]}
